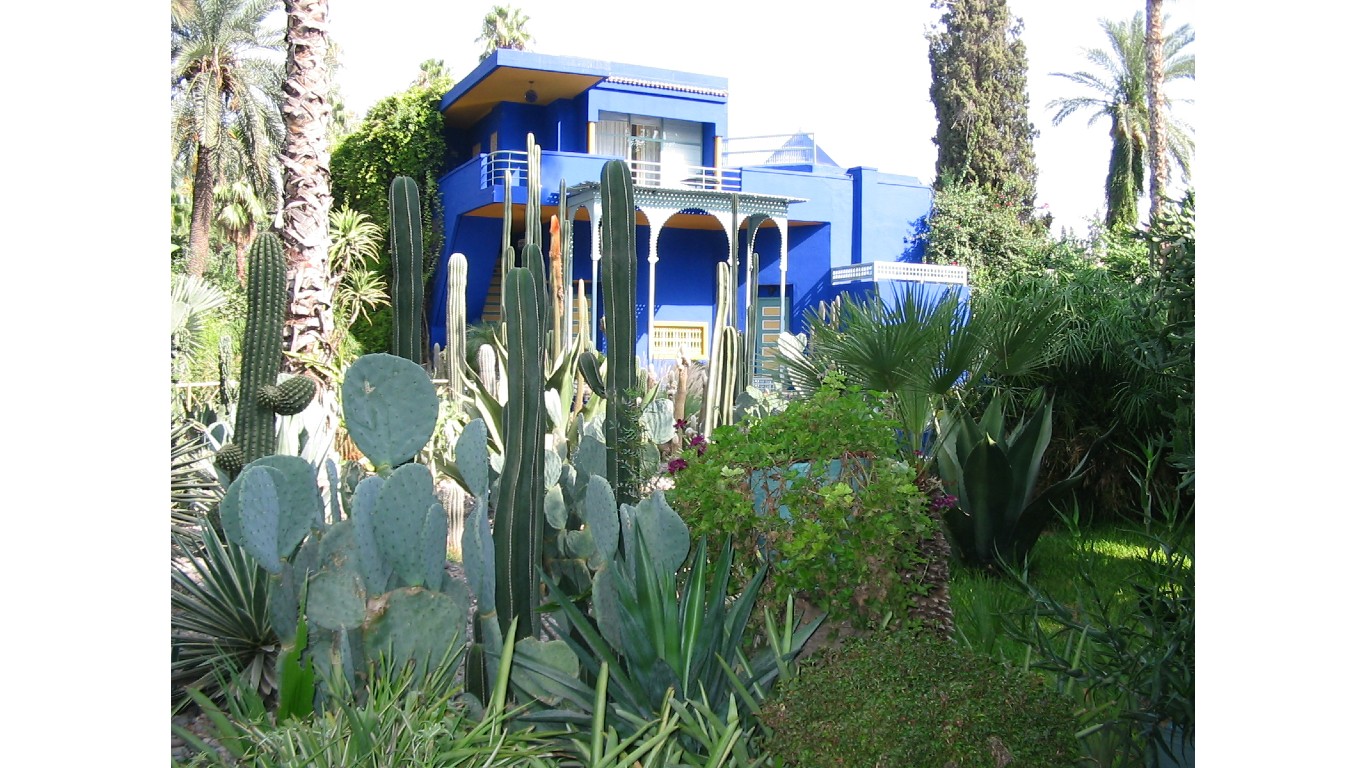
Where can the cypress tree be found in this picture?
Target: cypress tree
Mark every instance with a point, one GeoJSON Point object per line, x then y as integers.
{"type": "Point", "coordinates": [978, 72]}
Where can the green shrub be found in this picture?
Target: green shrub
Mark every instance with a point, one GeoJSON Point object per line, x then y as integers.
{"type": "Point", "coordinates": [897, 699]}
{"type": "Point", "coordinates": [849, 534]}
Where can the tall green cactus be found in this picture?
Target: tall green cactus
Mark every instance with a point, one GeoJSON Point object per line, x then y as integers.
{"type": "Point", "coordinates": [619, 287]}
{"type": "Point", "coordinates": [262, 351]}
{"type": "Point", "coordinates": [517, 522]}
{"type": "Point", "coordinates": [405, 243]}
{"type": "Point", "coordinates": [722, 369]}
{"type": "Point", "coordinates": [457, 277]}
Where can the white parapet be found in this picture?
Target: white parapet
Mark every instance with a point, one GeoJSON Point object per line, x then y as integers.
{"type": "Point", "coordinates": [875, 271]}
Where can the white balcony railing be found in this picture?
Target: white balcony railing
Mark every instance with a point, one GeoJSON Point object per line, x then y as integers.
{"type": "Point", "coordinates": [497, 167]}
{"type": "Point", "coordinates": [876, 271]}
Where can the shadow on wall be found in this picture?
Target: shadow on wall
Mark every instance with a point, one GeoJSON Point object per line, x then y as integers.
{"type": "Point", "coordinates": [917, 240]}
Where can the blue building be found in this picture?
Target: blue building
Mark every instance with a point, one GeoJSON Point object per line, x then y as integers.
{"type": "Point", "coordinates": [797, 227]}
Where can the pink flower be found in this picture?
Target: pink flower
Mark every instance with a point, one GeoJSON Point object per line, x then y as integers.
{"type": "Point", "coordinates": [677, 465]}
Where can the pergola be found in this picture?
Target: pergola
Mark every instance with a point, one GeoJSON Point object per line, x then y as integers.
{"type": "Point", "coordinates": [733, 210]}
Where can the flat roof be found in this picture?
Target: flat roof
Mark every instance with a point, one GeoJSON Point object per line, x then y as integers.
{"type": "Point", "coordinates": [510, 71]}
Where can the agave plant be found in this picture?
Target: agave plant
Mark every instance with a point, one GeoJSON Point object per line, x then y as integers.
{"type": "Point", "coordinates": [674, 639]}
{"type": "Point", "coordinates": [993, 474]}
{"type": "Point", "coordinates": [195, 489]}
{"type": "Point", "coordinates": [221, 634]}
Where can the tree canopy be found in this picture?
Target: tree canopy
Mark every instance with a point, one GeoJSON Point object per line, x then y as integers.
{"type": "Point", "coordinates": [978, 71]}
{"type": "Point", "coordinates": [1117, 86]}
{"type": "Point", "coordinates": [504, 27]}
{"type": "Point", "coordinates": [225, 114]}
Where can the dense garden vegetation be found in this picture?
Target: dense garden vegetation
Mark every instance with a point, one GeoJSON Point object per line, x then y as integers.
{"type": "Point", "coordinates": [956, 534]}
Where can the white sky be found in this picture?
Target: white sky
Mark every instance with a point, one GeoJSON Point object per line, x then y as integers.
{"type": "Point", "coordinates": [788, 70]}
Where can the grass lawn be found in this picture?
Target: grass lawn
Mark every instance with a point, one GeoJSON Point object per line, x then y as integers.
{"type": "Point", "coordinates": [994, 616]}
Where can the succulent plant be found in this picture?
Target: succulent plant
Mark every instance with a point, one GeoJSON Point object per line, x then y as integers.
{"type": "Point", "coordinates": [405, 243]}
{"type": "Point", "coordinates": [372, 584]}
{"type": "Point", "coordinates": [263, 395]}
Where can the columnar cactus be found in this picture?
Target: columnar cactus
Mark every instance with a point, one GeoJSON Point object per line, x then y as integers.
{"type": "Point", "coordinates": [619, 287]}
{"type": "Point", "coordinates": [262, 395]}
{"type": "Point", "coordinates": [405, 242]}
{"type": "Point", "coordinates": [457, 276]}
{"type": "Point", "coordinates": [518, 516]}
{"type": "Point", "coordinates": [721, 369]}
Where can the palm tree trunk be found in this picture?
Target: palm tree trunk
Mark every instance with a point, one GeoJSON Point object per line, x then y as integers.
{"type": "Point", "coordinates": [1157, 125]}
{"type": "Point", "coordinates": [307, 182]}
{"type": "Point", "coordinates": [201, 212]}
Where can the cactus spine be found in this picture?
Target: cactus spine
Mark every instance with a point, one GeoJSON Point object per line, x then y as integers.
{"type": "Point", "coordinates": [261, 398]}
{"type": "Point", "coordinates": [405, 243]}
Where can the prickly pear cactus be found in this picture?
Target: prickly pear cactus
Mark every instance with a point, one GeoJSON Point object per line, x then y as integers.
{"type": "Point", "coordinates": [375, 582]}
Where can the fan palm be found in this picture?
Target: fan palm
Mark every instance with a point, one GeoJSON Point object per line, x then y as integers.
{"type": "Point", "coordinates": [1119, 86]}
{"type": "Point", "coordinates": [504, 27]}
{"type": "Point", "coordinates": [224, 91]}
{"type": "Point", "coordinates": [241, 212]}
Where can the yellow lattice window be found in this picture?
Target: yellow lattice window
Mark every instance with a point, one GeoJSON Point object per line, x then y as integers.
{"type": "Point", "coordinates": [671, 336]}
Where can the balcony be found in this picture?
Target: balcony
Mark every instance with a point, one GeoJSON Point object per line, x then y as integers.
{"type": "Point", "coordinates": [507, 166]}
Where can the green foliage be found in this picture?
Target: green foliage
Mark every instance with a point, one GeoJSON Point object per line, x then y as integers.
{"type": "Point", "coordinates": [1168, 353]}
{"type": "Point", "coordinates": [221, 636]}
{"type": "Point", "coordinates": [405, 720]}
{"type": "Point", "coordinates": [981, 228]}
{"type": "Point", "coordinates": [894, 698]}
{"type": "Point", "coordinates": [195, 489]}
{"type": "Point", "coordinates": [978, 70]}
{"type": "Point", "coordinates": [683, 639]}
{"type": "Point", "coordinates": [1119, 91]}
{"type": "Point", "coordinates": [1130, 663]}
{"type": "Point", "coordinates": [993, 475]}
{"type": "Point", "coordinates": [922, 350]}
{"type": "Point", "coordinates": [352, 260]}
{"type": "Point", "coordinates": [504, 27]}
{"type": "Point", "coordinates": [1115, 360]}
{"type": "Point", "coordinates": [402, 135]}
{"type": "Point", "coordinates": [226, 80]}
{"type": "Point", "coordinates": [853, 517]}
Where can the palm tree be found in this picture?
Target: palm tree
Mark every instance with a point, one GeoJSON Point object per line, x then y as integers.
{"type": "Point", "coordinates": [240, 215]}
{"type": "Point", "coordinates": [1120, 87]}
{"type": "Point", "coordinates": [308, 184]}
{"type": "Point", "coordinates": [504, 27]}
{"type": "Point", "coordinates": [224, 87]}
{"type": "Point", "coordinates": [1157, 109]}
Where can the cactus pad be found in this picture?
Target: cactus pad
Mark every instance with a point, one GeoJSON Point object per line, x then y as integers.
{"type": "Point", "coordinates": [390, 407]}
